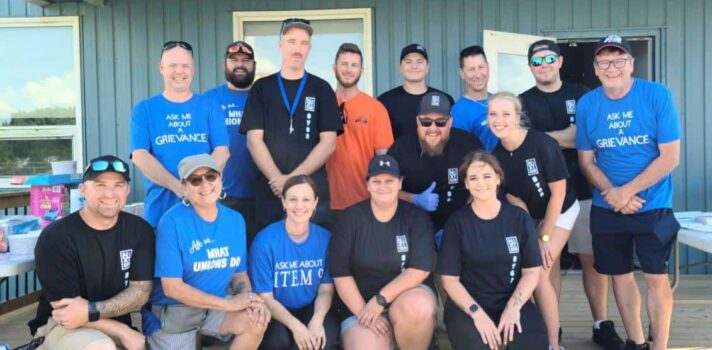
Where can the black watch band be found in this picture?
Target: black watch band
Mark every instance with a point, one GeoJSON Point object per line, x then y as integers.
{"type": "Point", "coordinates": [93, 312]}
{"type": "Point", "coordinates": [381, 300]}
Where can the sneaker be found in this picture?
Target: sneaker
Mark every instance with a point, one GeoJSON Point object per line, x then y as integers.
{"type": "Point", "coordinates": [631, 345]}
{"type": "Point", "coordinates": [607, 337]}
{"type": "Point", "coordinates": [561, 347]}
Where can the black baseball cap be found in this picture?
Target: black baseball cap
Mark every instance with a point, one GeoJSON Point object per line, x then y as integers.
{"type": "Point", "coordinates": [239, 47]}
{"type": "Point", "coordinates": [103, 164]}
{"type": "Point", "coordinates": [542, 45]}
{"type": "Point", "coordinates": [383, 164]}
{"type": "Point", "coordinates": [434, 102]}
{"type": "Point", "coordinates": [414, 48]}
{"type": "Point", "coordinates": [613, 41]}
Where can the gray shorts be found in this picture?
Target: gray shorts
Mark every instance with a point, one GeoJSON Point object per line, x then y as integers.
{"type": "Point", "coordinates": [580, 240]}
{"type": "Point", "coordinates": [186, 340]}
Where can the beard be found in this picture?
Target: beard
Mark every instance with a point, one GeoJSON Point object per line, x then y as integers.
{"type": "Point", "coordinates": [434, 150]}
{"type": "Point", "coordinates": [240, 82]}
{"type": "Point", "coordinates": [345, 84]}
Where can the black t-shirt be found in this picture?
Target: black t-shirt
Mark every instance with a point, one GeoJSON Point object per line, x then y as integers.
{"type": "Point", "coordinates": [316, 112]}
{"type": "Point", "coordinates": [403, 108]}
{"type": "Point", "coordinates": [489, 255]}
{"type": "Point", "coordinates": [420, 170]}
{"type": "Point", "coordinates": [374, 252]}
{"type": "Point", "coordinates": [74, 259]}
{"type": "Point", "coordinates": [529, 168]}
{"type": "Point", "coordinates": [552, 111]}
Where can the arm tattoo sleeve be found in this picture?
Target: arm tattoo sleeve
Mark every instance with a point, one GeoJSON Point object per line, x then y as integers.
{"type": "Point", "coordinates": [128, 300]}
{"type": "Point", "coordinates": [240, 283]}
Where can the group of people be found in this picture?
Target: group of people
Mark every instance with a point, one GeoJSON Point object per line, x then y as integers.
{"type": "Point", "coordinates": [282, 214]}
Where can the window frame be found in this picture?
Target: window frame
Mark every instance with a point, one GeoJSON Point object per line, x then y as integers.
{"type": "Point", "coordinates": [45, 132]}
{"type": "Point", "coordinates": [364, 14]}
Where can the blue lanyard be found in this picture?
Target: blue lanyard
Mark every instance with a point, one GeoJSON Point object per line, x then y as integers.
{"type": "Point", "coordinates": [293, 108]}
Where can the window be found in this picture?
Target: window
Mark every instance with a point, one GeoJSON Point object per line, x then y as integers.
{"type": "Point", "coordinates": [331, 29]}
{"type": "Point", "coordinates": [40, 94]}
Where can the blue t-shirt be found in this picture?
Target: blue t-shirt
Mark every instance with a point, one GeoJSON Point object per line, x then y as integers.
{"type": "Point", "coordinates": [204, 254]}
{"type": "Point", "coordinates": [171, 131]}
{"type": "Point", "coordinates": [625, 134]}
{"type": "Point", "coordinates": [471, 116]}
{"type": "Point", "coordinates": [239, 173]}
{"type": "Point", "coordinates": [291, 271]}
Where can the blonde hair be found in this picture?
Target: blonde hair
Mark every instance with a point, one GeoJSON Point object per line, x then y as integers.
{"type": "Point", "coordinates": [516, 103]}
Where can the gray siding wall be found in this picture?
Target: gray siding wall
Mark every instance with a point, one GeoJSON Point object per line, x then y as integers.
{"type": "Point", "coordinates": [121, 44]}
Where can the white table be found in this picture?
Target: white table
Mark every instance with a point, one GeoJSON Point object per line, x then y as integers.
{"type": "Point", "coordinates": [11, 265]}
{"type": "Point", "coordinates": [692, 234]}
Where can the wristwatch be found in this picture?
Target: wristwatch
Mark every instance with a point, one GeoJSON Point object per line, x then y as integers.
{"type": "Point", "coordinates": [473, 308]}
{"type": "Point", "coordinates": [93, 312]}
{"type": "Point", "coordinates": [381, 300]}
{"type": "Point", "coordinates": [545, 238]}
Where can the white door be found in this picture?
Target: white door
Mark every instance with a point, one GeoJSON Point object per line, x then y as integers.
{"type": "Point", "coordinates": [507, 56]}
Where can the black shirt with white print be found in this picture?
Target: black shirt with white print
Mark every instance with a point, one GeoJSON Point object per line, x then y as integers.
{"type": "Point", "coordinates": [403, 107]}
{"type": "Point", "coordinates": [316, 112]}
{"type": "Point", "coordinates": [530, 168]}
{"type": "Point", "coordinates": [74, 259]}
{"type": "Point", "coordinates": [374, 252]}
{"type": "Point", "coordinates": [489, 255]}
{"type": "Point", "coordinates": [553, 111]}
{"type": "Point", "coordinates": [420, 170]}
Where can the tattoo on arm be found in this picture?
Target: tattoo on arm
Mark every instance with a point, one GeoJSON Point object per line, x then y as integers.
{"type": "Point", "coordinates": [517, 299]}
{"type": "Point", "coordinates": [128, 300]}
{"type": "Point", "coordinates": [240, 283]}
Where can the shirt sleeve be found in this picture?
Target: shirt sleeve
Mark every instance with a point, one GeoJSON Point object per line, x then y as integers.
{"type": "Point", "coordinates": [667, 117]}
{"type": "Point", "coordinates": [261, 262]}
{"type": "Point", "coordinates": [341, 246]}
{"type": "Point", "coordinates": [553, 160]}
{"type": "Point", "coordinates": [56, 266]}
{"type": "Point", "coordinates": [144, 253]}
{"type": "Point", "coordinates": [422, 240]}
{"type": "Point", "coordinates": [326, 277]}
{"type": "Point", "coordinates": [450, 254]}
{"type": "Point", "coordinates": [218, 130]}
{"type": "Point", "coordinates": [530, 242]}
{"type": "Point", "coordinates": [253, 115]}
{"type": "Point", "coordinates": [169, 260]}
{"type": "Point", "coordinates": [242, 237]}
{"type": "Point", "coordinates": [329, 119]}
{"type": "Point", "coordinates": [139, 130]}
{"type": "Point", "coordinates": [383, 132]}
{"type": "Point", "coordinates": [582, 115]}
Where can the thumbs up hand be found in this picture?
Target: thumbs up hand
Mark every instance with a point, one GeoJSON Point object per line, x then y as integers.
{"type": "Point", "coordinates": [427, 199]}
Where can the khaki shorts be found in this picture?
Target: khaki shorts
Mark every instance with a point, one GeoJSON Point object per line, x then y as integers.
{"type": "Point", "coordinates": [580, 240]}
{"type": "Point", "coordinates": [59, 338]}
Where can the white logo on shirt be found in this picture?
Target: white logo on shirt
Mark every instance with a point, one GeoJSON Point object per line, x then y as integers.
{"type": "Point", "coordinates": [512, 244]}
{"type": "Point", "coordinates": [402, 244]}
{"type": "Point", "coordinates": [452, 177]}
{"type": "Point", "coordinates": [125, 258]}
{"type": "Point", "coordinates": [434, 100]}
{"type": "Point", "coordinates": [309, 104]}
{"type": "Point", "coordinates": [532, 169]}
{"type": "Point", "coordinates": [571, 106]}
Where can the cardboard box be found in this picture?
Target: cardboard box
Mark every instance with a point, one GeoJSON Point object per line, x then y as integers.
{"type": "Point", "coordinates": [49, 202]}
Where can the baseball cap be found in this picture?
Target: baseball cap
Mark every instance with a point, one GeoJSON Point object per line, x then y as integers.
{"type": "Point", "coordinates": [239, 47]}
{"type": "Point", "coordinates": [296, 23]}
{"type": "Point", "coordinates": [189, 164]}
{"type": "Point", "coordinates": [383, 164]}
{"type": "Point", "coordinates": [414, 48]}
{"type": "Point", "coordinates": [542, 45]}
{"type": "Point", "coordinates": [614, 41]}
{"type": "Point", "coordinates": [434, 102]}
{"type": "Point", "coordinates": [103, 164]}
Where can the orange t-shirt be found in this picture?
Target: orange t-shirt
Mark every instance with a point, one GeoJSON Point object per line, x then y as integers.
{"type": "Point", "coordinates": [367, 128]}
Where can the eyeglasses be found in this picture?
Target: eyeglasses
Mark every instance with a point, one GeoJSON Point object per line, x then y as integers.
{"type": "Point", "coordinates": [197, 180]}
{"type": "Point", "coordinates": [173, 43]}
{"type": "Point", "coordinates": [426, 122]}
{"type": "Point", "coordinates": [101, 165]}
{"type": "Point", "coordinates": [342, 112]}
{"type": "Point", "coordinates": [549, 59]}
{"type": "Point", "coordinates": [239, 48]}
{"type": "Point", "coordinates": [618, 63]}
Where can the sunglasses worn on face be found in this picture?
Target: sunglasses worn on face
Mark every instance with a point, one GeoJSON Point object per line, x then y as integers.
{"type": "Point", "coordinates": [342, 112]}
{"type": "Point", "coordinates": [426, 123]}
{"type": "Point", "coordinates": [549, 59]}
{"type": "Point", "coordinates": [101, 165]}
{"type": "Point", "coordinates": [173, 43]}
{"type": "Point", "coordinates": [197, 180]}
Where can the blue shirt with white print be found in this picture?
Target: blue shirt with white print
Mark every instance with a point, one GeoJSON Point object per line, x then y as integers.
{"type": "Point", "coordinates": [291, 271]}
{"type": "Point", "coordinates": [240, 171]}
{"type": "Point", "coordinates": [625, 134]}
{"type": "Point", "coordinates": [171, 131]}
{"type": "Point", "coordinates": [471, 116]}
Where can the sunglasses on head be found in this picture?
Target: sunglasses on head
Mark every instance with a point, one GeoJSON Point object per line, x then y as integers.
{"type": "Point", "coordinates": [173, 43]}
{"type": "Point", "coordinates": [342, 112]}
{"type": "Point", "coordinates": [101, 165]}
{"type": "Point", "coordinates": [239, 48]}
{"type": "Point", "coordinates": [549, 59]}
{"type": "Point", "coordinates": [197, 180]}
{"type": "Point", "coordinates": [289, 21]}
{"type": "Point", "coordinates": [426, 122]}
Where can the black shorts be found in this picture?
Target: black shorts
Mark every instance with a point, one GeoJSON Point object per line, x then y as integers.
{"type": "Point", "coordinates": [616, 237]}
